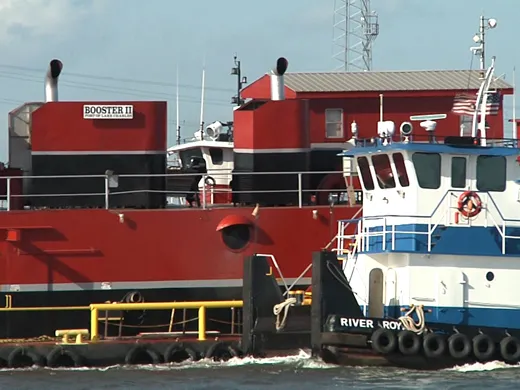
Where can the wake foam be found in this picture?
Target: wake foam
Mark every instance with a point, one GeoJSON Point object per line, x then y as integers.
{"type": "Point", "coordinates": [479, 367]}
{"type": "Point", "coordinates": [302, 360]}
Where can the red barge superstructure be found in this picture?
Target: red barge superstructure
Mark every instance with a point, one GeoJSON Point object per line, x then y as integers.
{"type": "Point", "coordinates": [88, 192]}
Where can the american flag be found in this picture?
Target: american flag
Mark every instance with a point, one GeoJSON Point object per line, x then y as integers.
{"type": "Point", "coordinates": [464, 104]}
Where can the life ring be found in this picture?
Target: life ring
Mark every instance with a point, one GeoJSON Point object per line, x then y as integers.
{"type": "Point", "coordinates": [221, 351]}
{"type": "Point", "coordinates": [434, 345]}
{"type": "Point", "coordinates": [459, 346]}
{"type": "Point", "coordinates": [384, 341]}
{"type": "Point", "coordinates": [409, 343]}
{"type": "Point", "coordinates": [141, 354]}
{"type": "Point", "coordinates": [210, 181]}
{"type": "Point", "coordinates": [23, 357]}
{"type": "Point", "coordinates": [469, 204]}
{"type": "Point", "coordinates": [510, 349]}
{"type": "Point", "coordinates": [483, 347]}
{"type": "Point", "coordinates": [59, 357]}
{"type": "Point", "coordinates": [178, 352]}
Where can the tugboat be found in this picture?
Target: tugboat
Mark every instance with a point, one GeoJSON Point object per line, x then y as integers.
{"type": "Point", "coordinates": [433, 264]}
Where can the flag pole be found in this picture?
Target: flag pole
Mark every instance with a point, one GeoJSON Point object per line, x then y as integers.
{"type": "Point", "coordinates": [515, 136]}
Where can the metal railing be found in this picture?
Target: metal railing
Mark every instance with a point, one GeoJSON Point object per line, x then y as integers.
{"type": "Point", "coordinates": [440, 216]}
{"type": "Point", "coordinates": [96, 308]}
{"type": "Point", "coordinates": [201, 306]}
{"type": "Point", "coordinates": [424, 138]}
{"type": "Point", "coordinates": [109, 187]}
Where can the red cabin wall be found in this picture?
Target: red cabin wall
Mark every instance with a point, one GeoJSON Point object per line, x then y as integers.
{"type": "Point", "coordinates": [274, 125]}
{"type": "Point", "coordinates": [59, 126]}
{"type": "Point", "coordinates": [365, 111]}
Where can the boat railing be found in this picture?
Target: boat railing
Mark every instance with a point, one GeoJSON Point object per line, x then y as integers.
{"type": "Point", "coordinates": [388, 227]}
{"type": "Point", "coordinates": [436, 139]}
{"type": "Point", "coordinates": [109, 186]}
{"type": "Point", "coordinates": [99, 315]}
{"type": "Point", "coordinates": [499, 221]}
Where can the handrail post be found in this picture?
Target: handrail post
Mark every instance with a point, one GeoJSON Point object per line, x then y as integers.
{"type": "Point", "coordinates": [107, 191]}
{"type": "Point", "coordinates": [300, 194]}
{"type": "Point", "coordinates": [204, 191]}
{"type": "Point", "coordinates": [384, 233]}
{"type": "Point", "coordinates": [503, 237]}
{"type": "Point", "coordinates": [202, 323]}
{"type": "Point", "coordinates": [8, 194]}
{"type": "Point", "coordinates": [94, 323]}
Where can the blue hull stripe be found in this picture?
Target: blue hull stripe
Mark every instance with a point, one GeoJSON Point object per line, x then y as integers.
{"type": "Point", "coordinates": [452, 240]}
{"type": "Point", "coordinates": [483, 317]}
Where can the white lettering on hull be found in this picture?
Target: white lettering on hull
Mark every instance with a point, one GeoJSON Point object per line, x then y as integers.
{"type": "Point", "coordinates": [367, 323]}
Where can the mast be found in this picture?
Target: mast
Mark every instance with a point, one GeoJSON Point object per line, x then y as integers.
{"type": "Point", "coordinates": [237, 71]}
{"type": "Point", "coordinates": [515, 129]}
{"type": "Point", "coordinates": [202, 101]}
{"type": "Point", "coordinates": [479, 38]}
{"type": "Point", "coordinates": [178, 127]}
{"type": "Point", "coordinates": [480, 105]}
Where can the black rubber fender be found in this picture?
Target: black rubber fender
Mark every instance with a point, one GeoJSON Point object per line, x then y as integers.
{"type": "Point", "coordinates": [384, 341]}
{"type": "Point", "coordinates": [218, 351]}
{"type": "Point", "coordinates": [14, 358]}
{"type": "Point", "coordinates": [54, 356]}
{"type": "Point", "coordinates": [459, 346]}
{"type": "Point", "coordinates": [179, 347]}
{"type": "Point", "coordinates": [510, 349]}
{"type": "Point", "coordinates": [409, 343]}
{"type": "Point", "coordinates": [133, 354]}
{"type": "Point", "coordinates": [434, 345]}
{"type": "Point", "coordinates": [483, 347]}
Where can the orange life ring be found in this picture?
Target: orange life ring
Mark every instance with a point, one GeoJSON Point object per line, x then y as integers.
{"type": "Point", "coordinates": [469, 204]}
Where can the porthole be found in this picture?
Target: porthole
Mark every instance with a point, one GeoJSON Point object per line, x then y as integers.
{"type": "Point", "coordinates": [490, 276]}
{"type": "Point", "coordinates": [236, 237]}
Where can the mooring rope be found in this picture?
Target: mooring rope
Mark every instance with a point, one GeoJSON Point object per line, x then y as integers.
{"type": "Point", "coordinates": [409, 323]}
{"type": "Point", "coordinates": [277, 310]}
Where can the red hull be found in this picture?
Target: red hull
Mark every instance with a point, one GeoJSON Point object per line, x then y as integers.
{"type": "Point", "coordinates": [89, 246]}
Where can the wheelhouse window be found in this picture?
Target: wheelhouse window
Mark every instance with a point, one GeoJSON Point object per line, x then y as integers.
{"type": "Point", "coordinates": [465, 124]}
{"type": "Point", "coordinates": [366, 176]}
{"type": "Point", "coordinates": [189, 154]}
{"type": "Point", "coordinates": [491, 173]}
{"type": "Point", "coordinates": [428, 169]}
{"type": "Point", "coordinates": [384, 174]}
{"type": "Point", "coordinates": [458, 172]}
{"type": "Point", "coordinates": [400, 168]}
{"type": "Point", "coordinates": [217, 156]}
{"type": "Point", "coordinates": [334, 123]}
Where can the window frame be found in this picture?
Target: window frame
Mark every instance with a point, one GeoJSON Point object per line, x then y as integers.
{"type": "Point", "coordinates": [416, 173]}
{"type": "Point", "coordinates": [327, 122]}
{"type": "Point", "coordinates": [392, 182]}
{"type": "Point", "coordinates": [211, 156]}
{"type": "Point", "coordinates": [369, 172]}
{"type": "Point", "coordinates": [465, 159]}
{"type": "Point", "coordinates": [400, 178]}
{"type": "Point", "coordinates": [504, 174]}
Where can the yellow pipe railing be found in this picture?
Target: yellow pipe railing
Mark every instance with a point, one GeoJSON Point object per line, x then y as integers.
{"type": "Point", "coordinates": [44, 308]}
{"type": "Point", "coordinates": [200, 305]}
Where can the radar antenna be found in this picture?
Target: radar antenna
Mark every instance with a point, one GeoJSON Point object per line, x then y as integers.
{"type": "Point", "coordinates": [355, 29]}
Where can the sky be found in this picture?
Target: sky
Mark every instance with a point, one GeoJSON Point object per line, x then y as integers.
{"type": "Point", "coordinates": [131, 49]}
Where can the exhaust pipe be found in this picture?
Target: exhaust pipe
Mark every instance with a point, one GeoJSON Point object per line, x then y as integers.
{"type": "Point", "coordinates": [277, 83]}
{"type": "Point", "coordinates": [51, 80]}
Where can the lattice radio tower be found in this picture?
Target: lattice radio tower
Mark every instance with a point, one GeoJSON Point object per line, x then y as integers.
{"type": "Point", "coordinates": [355, 29]}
